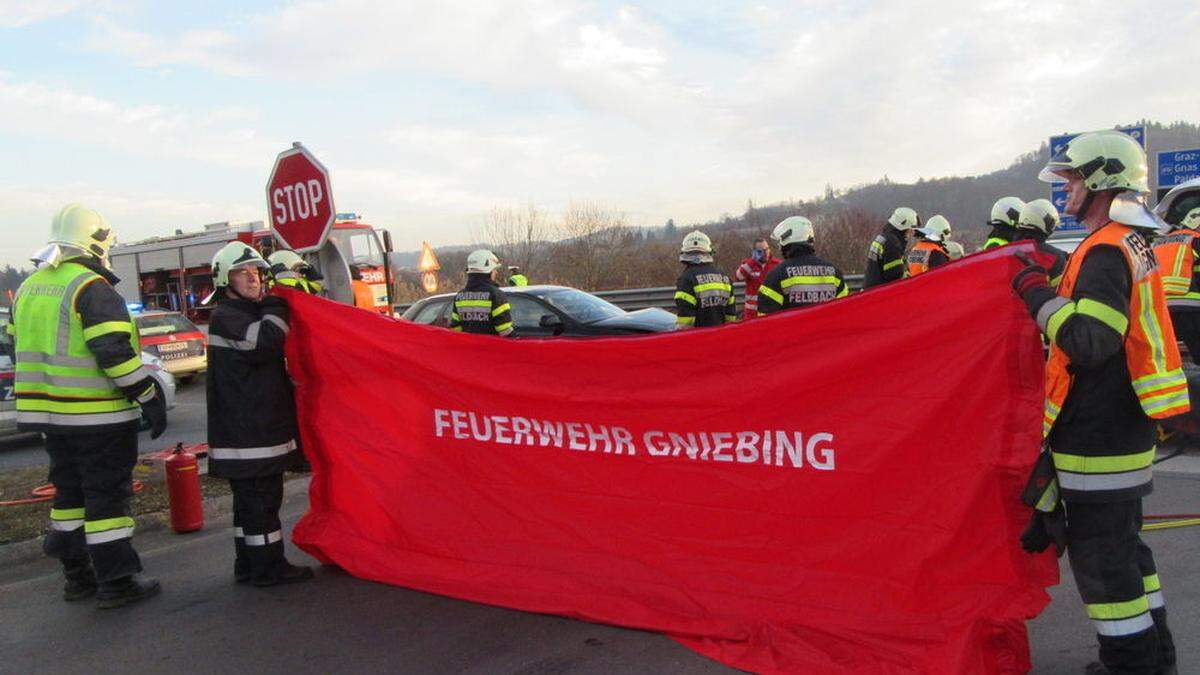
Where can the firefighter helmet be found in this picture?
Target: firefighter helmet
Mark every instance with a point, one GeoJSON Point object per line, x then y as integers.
{"type": "Point", "coordinates": [955, 250]}
{"type": "Point", "coordinates": [284, 260]}
{"type": "Point", "coordinates": [696, 242]}
{"type": "Point", "coordinates": [937, 228]}
{"type": "Point", "coordinates": [482, 261]}
{"type": "Point", "coordinates": [1105, 160]}
{"type": "Point", "coordinates": [1039, 215]}
{"type": "Point", "coordinates": [794, 230]}
{"type": "Point", "coordinates": [1179, 205]}
{"type": "Point", "coordinates": [233, 255]}
{"type": "Point", "coordinates": [904, 218]}
{"type": "Point", "coordinates": [76, 231]}
{"type": "Point", "coordinates": [1006, 211]}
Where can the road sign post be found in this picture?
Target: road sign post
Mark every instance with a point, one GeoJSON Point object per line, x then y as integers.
{"type": "Point", "coordinates": [1058, 191]}
{"type": "Point", "coordinates": [300, 200]}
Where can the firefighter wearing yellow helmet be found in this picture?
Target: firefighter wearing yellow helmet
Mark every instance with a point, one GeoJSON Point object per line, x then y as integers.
{"type": "Point", "coordinates": [703, 294]}
{"type": "Point", "coordinates": [1178, 254]}
{"type": "Point", "coordinates": [1114, 369]}
{"type": "Point", "coordinates": [885, 256]}
{"type": "Point", "coordinates": [1003, 221]}
{"type": "Point", "coordinates": [289, 269]}
{"type": "Point", "coordinates": [803, 278]}
{"type": "Point", "coordinates": [481, 307]}
{"type": "Point", "coordinates": [80, 380]}
{"type": "Point", "coordinates": [1036, 223]}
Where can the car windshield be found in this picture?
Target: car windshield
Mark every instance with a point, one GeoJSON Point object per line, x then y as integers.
{"type": "Point", "coordinates": [583, 307]}
{"type": "Point", "coordinates": [358, 246]}
{"type": "Point", "coordinates": [164, 324]}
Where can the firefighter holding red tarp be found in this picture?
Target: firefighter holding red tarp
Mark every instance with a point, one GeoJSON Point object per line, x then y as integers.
{"type": "Point", "coordinates": [1114, 368]}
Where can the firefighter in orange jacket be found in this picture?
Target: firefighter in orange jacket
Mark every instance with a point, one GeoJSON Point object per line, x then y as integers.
{"type": "Point", "coordinates": [1114, 369]}
{"type": "Point", "coordinates": [930, 250]}
{"type": "Point", "coordinates": [1178, 254]}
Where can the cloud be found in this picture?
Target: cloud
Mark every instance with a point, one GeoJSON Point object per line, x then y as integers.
{"type": "Point", "coordinates": [21, 13]}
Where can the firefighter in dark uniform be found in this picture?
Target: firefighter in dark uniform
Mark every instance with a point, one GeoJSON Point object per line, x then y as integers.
{"type": "Point", "coordinates": [80, 381]}
{"type": "Point", "coordinates": [1005, 213]}
{"type": "Point", "coordinates": [803, 278]}
{"type": "Point", "coordinates": [481, 307]}
{"type": "Point", "coordinates": [1114, 369]}
{"type": "Point", "coordinates": [930, 251]}
{"type": "Point", "coordinates": [1036, 223]}
{"type": "Point", "coordinates": [251, 413]}
{"type": "Point", "coordinates": [289, 269]}
{"type": "Point", "coordinates": [885, 257]}
{"type": "Point", "coordinates": [1178, 254]}
{"type": "Point", "coordinates": [703, 294]}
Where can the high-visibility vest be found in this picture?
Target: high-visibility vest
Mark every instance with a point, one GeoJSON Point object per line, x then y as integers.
{"type": "Point", "coordinates": [518, 280]}
{"type": "Point", "coordinates": [1177, 262]}
{"type": "Point", "coordinates": [57, 380]}
{"type": "Point", "coordinates": [917, 260]}
{"type": "Point", "coordinates": [1151, 354]}
{"type": "Point", "coordinates": [293, 280]}
{"type": "Point", "coordinates": [994, 242]}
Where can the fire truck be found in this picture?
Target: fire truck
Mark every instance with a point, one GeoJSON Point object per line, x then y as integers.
{"type": "Point", "coordinates": [174, 272]}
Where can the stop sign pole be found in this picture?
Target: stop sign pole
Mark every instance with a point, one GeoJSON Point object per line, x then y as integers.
{"type": "Point", "coordinates": [300, 200]}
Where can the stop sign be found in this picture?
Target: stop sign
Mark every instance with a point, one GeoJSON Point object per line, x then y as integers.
{"type": "Point", "coordinates": [300, 200]}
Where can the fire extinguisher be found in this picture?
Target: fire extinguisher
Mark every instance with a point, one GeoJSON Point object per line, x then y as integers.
{"type": "Point", "coordinates": [183, 490]}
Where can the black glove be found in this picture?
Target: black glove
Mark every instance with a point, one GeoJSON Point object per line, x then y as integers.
{"type": "Point", "coordinates": [1032, 277]}
{"type": "Point", "coordinates": [154, 411]}
{"type": "Point", "coordinates": [1045, 529]}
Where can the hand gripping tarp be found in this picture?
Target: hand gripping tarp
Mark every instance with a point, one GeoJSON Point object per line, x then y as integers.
{"type": "Point", "coordinates": [828, 490]}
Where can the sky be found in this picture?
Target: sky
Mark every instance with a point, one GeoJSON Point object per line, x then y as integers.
{"type": "Point", "coordinates": [428, 114]}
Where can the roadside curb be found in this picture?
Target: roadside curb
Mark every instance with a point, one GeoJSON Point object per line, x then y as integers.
{"type": "Point", "coordinates": [21, 552]}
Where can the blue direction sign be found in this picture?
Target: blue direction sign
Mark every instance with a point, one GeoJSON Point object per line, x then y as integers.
{"type": "Point", "coordinates": [1058, 194]}
{"type": "Point", "coordinates": [1177, 167]}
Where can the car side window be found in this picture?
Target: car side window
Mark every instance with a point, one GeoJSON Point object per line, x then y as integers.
{"type": "Point", "coordinates": [432, 314]}
{"type": "Point", "coordinates": [526, 312]}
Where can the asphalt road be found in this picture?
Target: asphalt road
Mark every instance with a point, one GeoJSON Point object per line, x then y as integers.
{"type": "Point", "coordinates": [185, 422]}
{"type": "Point", "coordinates": [203, 622]}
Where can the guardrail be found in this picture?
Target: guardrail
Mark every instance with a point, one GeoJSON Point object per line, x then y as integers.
{"type": "Point", "coordinates": [663, 297]}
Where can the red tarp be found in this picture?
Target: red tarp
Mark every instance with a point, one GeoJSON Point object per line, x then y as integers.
{"type": "Point", "coordinates": [827, 490]}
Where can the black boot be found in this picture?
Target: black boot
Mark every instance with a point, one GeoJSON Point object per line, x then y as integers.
{"type": "Point", "coordinates": [81, 580]}
{"type": "Point", "coordinates": [241, 570]}
{"type": "Point", "coordinates": [125, 591]}
{"type": "Point", "coordinates": [285, 573]}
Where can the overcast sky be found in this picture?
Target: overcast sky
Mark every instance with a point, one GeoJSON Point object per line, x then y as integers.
{"type": "Point", "coordinates": [428, 114]}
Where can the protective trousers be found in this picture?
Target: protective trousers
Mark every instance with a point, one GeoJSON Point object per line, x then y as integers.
{"type": "Point", "coordinates": [1187, 328]}
{"type": "Point", "coordinates": [1115, 573]}
{"type": "Point", "coordinates": [257, 531]}
{"type": "Point", "coordinates": [92, 477]}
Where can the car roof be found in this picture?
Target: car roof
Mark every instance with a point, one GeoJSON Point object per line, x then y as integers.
{"type": "Point", "coordinates": [510, 289]}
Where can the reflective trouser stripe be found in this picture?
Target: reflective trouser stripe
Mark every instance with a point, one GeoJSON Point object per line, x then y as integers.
{"type": "Point", "coordinates": [1094, 482]}
{"type": "Point", "coordinates": [1120, 627]}
{"type": "Point", "coordinates": [108, 529]}
{"type": "Point", "coordinates": [238, 533]}
{"type": "Point", "coordinates": [252, 453]}
{"type": "Point", "coordinates": [77, 419]}
{"type": "Point", "coordinates": [66, 520]}
{"type": "Point", "coordinates": [264, 539]}
{"type": "Point", "coordinates": [1153, 588]}
{"type": "Point", "coordinates": [1121, 618]}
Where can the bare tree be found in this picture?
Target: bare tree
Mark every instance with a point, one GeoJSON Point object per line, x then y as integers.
{"type": "Point", "coordinates": [594, 239]}
{"type": "Point", "coordinates": [518, 235]}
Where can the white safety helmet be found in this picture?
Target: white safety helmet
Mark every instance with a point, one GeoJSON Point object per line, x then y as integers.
{"type": "Point", "coordinates": [937, 228]}
{"type": "Point", "coordinates": [284, 260]}
{"type": "Point", "coordinates": [233, 255]}
{"type": "Point", "coordinates": [482, 261]}
{"type": "Point", "coordinates": [76, 231]}
{"type": "Point", "coordinates": [1006, 211]}
{"type": "Point", "coordinates": [955, 250]}
{"type": "Point", "coordinates": [904, 218]}
{"type": "Point", "coordinates": [1179, 205]}
{"type": "Point", "coordinates": [794, 230]}
{"type": "Point", "coordinates": [1039, 215]}
{"type": "Point", "coordinates": [696, 242]}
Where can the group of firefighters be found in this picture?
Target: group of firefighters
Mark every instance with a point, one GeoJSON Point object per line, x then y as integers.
{"type": "Point", "coordinates": [1110, 314]}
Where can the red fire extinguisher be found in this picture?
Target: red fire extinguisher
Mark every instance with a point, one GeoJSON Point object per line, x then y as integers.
{"type": "Point", "coordinates": [183, 489]}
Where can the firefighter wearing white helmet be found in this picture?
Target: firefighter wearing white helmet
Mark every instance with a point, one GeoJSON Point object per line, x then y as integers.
{"type": "Point", "coordinates": [1114, 369]}
{"type": "Point", "coordinates": [803, 278]}
{"type": "Point", "coordinates": [1178, 254]}
{"type": "Point", "coordinates": [703, 294]}
{"type": "Point", "coordinates": [481, 307]}
{"type": "Point", "coordinates": [289, 269]}
{"type": "Point", "coordinates": [930, 250]}
{"type": "Point", "coordinates": [80, 381]}
{"type": "Point", "coordinates": [885, 257]}
{"type": "Point", "coordinates": [1037, 221]}
{"type": "Point", "coordinates": [252, 432]}
{"type": "Point", "coordinates": [1003, 221]}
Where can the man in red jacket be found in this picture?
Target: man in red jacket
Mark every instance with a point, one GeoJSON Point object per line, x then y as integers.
{"type": "Point", "coordinates": [752, 271]}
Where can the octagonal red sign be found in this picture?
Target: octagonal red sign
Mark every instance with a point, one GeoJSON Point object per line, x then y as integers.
{"type": "Point", "coordinates": [300, 200]}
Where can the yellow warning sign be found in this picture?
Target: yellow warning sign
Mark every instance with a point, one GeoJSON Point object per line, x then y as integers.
{"type": "Point", "coordinates": [428, 261]}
